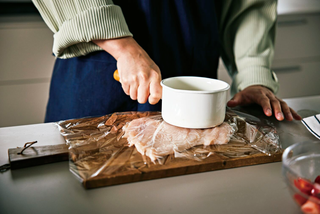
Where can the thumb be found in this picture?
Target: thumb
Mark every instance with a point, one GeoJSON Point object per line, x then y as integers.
{"type": "Point", "coordinates": [235, 101]}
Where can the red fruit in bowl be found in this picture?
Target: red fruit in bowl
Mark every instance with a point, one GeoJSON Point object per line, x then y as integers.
{"type": "Point", "coordinates": [303, 185]}
{"type": "Point", "coordinates": [316, 190]}
{"type": "Point", "coordinates": [310, 207]}
{"type": "Point", "coordinates": [317, 180]}
{"type": "Point", "coordinates": [299, 199]}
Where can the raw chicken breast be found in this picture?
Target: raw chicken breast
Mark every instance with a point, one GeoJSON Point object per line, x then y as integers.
{"type": "Point", "coordinates": [156, 138]}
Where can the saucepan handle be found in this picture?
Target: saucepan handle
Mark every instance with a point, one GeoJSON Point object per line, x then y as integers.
{"type": "Point", "coordinates": [116, 75]}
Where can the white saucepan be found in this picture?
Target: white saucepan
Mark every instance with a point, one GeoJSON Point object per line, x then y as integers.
{"type": "Point", "coordinates": [194, 102]}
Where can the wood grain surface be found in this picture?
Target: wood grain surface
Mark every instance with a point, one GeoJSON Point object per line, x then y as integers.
{"type": "Point", "coordinates": [37, 155]}
{"type": "Point", "coordinates": [178, 166]}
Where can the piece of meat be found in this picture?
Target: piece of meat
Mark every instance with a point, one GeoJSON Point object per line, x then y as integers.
{"type": "Point", "coordinates": [156, 138]}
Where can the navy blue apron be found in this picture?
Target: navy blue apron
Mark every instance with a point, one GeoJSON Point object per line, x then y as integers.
{"type": "Point", "coordinates": [181, 36]}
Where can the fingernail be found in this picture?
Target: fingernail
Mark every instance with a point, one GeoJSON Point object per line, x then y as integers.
{"type": "Point", "coordinates": [269, 112]}
{"type": "Point", "coordinates": [280, 116]}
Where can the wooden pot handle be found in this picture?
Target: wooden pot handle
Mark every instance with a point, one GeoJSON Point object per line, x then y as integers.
{"type": "Point", "coordinates": [116, 75]}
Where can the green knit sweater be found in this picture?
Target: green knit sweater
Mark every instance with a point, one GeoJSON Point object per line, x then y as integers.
{"type": "Point", "coordinates": [247, 31]}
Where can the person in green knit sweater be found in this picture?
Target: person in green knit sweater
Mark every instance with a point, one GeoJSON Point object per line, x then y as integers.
{"type": "Point", "coordinates": [150, 40]}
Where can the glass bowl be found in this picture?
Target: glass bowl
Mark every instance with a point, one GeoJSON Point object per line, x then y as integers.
{"type": "Point", "coordinates": [301, 171]}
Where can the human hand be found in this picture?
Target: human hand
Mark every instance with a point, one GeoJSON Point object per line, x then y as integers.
{"type": "Point", "coordinates": [267, 100]}
{"type": "Point", "coordinates": [140, 77]}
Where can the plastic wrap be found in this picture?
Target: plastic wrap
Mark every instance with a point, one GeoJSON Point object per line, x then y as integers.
{"type": "Point", "coordinates": [130, 142]}
{"type": "Point", "coordinates": [154, 138]}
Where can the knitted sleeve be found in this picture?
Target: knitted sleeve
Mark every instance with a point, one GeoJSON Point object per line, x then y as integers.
{"type": "Point", "coordinates": [247, 33]}
{"type": "Point", "coordinates": [75, 23]}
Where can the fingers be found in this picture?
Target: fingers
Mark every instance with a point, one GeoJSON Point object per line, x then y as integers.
{"type": "Point", "coordinates": [155, 92]}
{"type": "Point", "coordinates": [143, 93]}
{"type": "Point", "coordinates": [295, 115]}
{"type": "Point", "coordinates": [286, 110]}
{"type": "Point", "coordinates": [267, 100]}
{"type": "Point", "coordinates": [135, 88]}
{"type": "Point", "coordinates": [267, 104]}
{"type": "Point", "coordinates": [140, 87]}
{"type": "Point", "coordinates": [125, 87]}
{"type": "Point", "coordinates": [235, 101]}
{"type": "Point", "coordinates": [276, 106]}
{"type": "Point", "coordinates": [133, 91]}
{"type": "Point", "coordinates": [282, 110]}
{"type": "Point", "coordinates": [140, 77]}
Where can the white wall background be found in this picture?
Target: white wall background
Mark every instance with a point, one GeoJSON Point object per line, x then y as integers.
{"type": "Point", "coordinates": [26, 64]}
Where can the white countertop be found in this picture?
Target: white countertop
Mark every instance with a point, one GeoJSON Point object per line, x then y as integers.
{"type": "Point", "coordinates": [52, 188]}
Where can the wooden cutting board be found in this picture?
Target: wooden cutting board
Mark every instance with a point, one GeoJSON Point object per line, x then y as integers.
{"type": "Point", "coordinates": [38, 155]}
{"type": "Point", "coordinates": [178, 167]}
{"type": "Point", "coordinates": [103, 160]}
{"type": "Point", "coordinates": [99, 161]}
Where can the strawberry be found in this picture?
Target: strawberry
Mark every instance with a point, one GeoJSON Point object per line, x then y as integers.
{"type": "Point", "coordinates": [300, 200]}
{"type": "Point", "coordinates": [310, 207]}
{"type": "Point", "coordinates": [316, 190]}
{"type": "Point", "coordinates": [303, 185]}
{"type": "Point", "coordinates": [317, 180]}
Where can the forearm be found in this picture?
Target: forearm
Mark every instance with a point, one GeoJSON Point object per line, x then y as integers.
{"type": "Point", "coordinates": [247, 35]}
{"type": "Point", "coordinates": [117, 47]}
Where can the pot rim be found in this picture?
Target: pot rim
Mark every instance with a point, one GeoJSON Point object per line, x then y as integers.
{"type": "Point", "coordinates": [194, 91]}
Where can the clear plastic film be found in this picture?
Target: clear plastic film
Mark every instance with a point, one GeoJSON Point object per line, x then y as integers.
{"type": "Point", "coordinates": [134, 142]}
